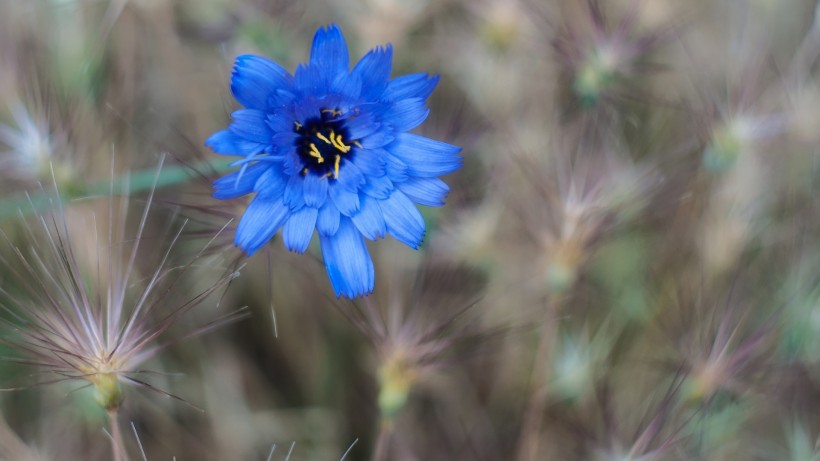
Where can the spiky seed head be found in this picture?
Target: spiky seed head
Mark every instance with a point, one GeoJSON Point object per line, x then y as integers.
{"type": "Point", "coordinates": [397, 375]}
{"type": "Point", "coordinates": [596, 76]}
{"type": "Point", "coordinates": [728, 141]}
{"type": "Point", "coordinates": [108, 391]}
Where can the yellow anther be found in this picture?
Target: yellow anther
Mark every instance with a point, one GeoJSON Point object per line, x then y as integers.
{"type": "Point", "coordinates": [336, 166]}
{"type": "Point", "coordinates": [333, 112]}
{"type": "Point", "coordinates": [324, 138]}
{"type": "Point", "coordinates": [314, 152]}
{"type": "Point", "coordinates": [298, 126]}
{"type": "Point", "coordinates": [338, 143]}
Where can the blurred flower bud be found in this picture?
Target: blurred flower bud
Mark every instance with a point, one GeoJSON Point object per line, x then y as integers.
{"type": "Point", "coordinates": [595, 77]}
{"type": "Point", "coordinates": [107, 390]}
{"type": "Point", "coordinates": [396, 377]}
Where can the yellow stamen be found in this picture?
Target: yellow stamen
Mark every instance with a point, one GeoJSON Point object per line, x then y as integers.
{"type": "Point", "coordinates": [338, 142]}
{"type": "Point", "coordinates": [323, 138]}
{"type": "Point", "coordinates": [298, 126]}
{"type": "Point", "coordinates": [336, 166]}
{"type": "Point", "coordinates": [314, 152]}
{"type": "Point", "coordinates": [333, 112]}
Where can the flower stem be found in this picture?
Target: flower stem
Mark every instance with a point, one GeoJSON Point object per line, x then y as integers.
{"type": "Point", "coordinates": [529, 438]}
{"type": "Point", "coordinates": [380, 450]}
{"type": "Point", "coordinates": [134, 182]}
{"type": "Point", "coordinates": [117, 445]}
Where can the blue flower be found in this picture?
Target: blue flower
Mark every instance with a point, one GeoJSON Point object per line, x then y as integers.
{"type": "Point", "coordinates": [328, 149]}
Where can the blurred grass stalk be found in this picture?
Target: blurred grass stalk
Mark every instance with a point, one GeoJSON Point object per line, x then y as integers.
{"type": "Point", "coordinates": [128, 183]}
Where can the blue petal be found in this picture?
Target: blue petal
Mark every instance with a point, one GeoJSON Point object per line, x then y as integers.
{"type": "Point", "coordinates": [369, 220]}
{"type": "Point", "coordinates": [292, 164]}
{"type": "Point", "coordinates": [329, 52]}
{"type": "Point", "coordinates": [256, 79]}
{"type": "Point", "coordinates": [239, 182]}
{"type": "Point", "coordinates": [403, 219]}
{"type": "Point", "coordinates": [378, 139]}
{"type": "Point", "coordinates": [425, 157]}
{"type": "Point", "coordinates": [350, 176]}
{"type": "Point", "coordinates": [348, 87]}
{"type": "Point", "coordinates": [299, 229]}
{"type": "Point", "coordinates": [347, 261]}
{"type": "Point", "coordinates": [271, 184]}
{"type": "Point", "coordinates": [374, 71]}
{"type": "Point", "coordinates": [281, 99]}
{"type": "Point", "coordinates": [229, 143]}
{"type": "Point", "coordinates": [396, 169]}
{"type": "Point", "coordinates": [294, 196]}
{"type": "Point", "coordinates": [406, 114]}
{"type": "Point", "coordinates": [425, 191]}
{"type": "Point", "coordinates": [379, 187]}
{"type": "Point", "coordinates": [315, 190]}
{"type": "Point", "coordinates": [281, 124]}
{"type": "Point", "coordinates": [328, 222]}
{"type": "Point", "coordinates": [362, 124]}
{"type": "Point", "coordinates": [308, 80]}
{"type": "Point", "coordinates": [369, 161]}
{"type": "Point", "coordinates": [252, 125]}
{"type": "Point", "coordinates": [410, 86]}
{"type": "Point", "coordinates": [346, 201]}
{"type": "Point", "coordinates": [285, 139]}
{"type": "Point", "coordinates": [261, 220]}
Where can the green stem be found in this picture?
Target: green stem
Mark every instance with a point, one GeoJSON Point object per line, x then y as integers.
{"type": "Point", "coordinates": [25, 203]}
{"type": "Point", "coordinates": [117, 445]}
{"type": "Point", "coordinates": [529, 438]}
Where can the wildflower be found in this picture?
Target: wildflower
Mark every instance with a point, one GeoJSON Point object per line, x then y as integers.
{"type": "Point", "coordinates": [587, 206]}
{"type": "Point", "coordinates": [724, 359]}
{"type": "Point", "coordinates": [800, 444]}
{"type": "Point", "coordinates": [503, 23]}
{"type": "Point", "coordinates": [657, 433]}
{"type": "Point", "coordinates": [576, 363]}
{"type": "Point", "coordinates": [738, 135]}
{"type": "Point", "coordinates": [95, 329]}
{"type": "Point", "coordinates": [427, 329]}
{"type": "Point", "coordinates": [412, 343]}
{"type": "Point", "coordinates": [601, 59]}
{"type": "Point", "coordinates": [327, 149]}
{"type": "Point", "coordinates": [30, 148]}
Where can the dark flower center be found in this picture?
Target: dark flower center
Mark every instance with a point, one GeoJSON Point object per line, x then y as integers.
{"type": "Point", "coordinates": [323, 142]}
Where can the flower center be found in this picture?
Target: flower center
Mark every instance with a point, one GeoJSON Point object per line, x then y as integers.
{"type": "Point", "coordinates": [323, 142]}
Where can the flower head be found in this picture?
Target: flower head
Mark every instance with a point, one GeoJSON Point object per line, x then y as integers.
{"type": "Point", "coordinates": [327, 148]}
{"type": "Point", "coordinates": [31, 149]}
{"type": "Point", "coordinates": [601, 59]}
{"type": "Point", "coordinates": [101, 327]}
{"type": "Point", "coordinates": [420, 333]}
{"type": "Point", "coordinates": [30, 145]}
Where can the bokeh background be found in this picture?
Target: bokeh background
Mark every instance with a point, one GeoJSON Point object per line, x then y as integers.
{"type": "Point", "coordinates": [626, 267]}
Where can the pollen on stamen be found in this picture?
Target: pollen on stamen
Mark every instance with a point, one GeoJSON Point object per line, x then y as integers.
{"type": "Point", "coordinates": [332, 112]}
{"type": "Point", "coordinates": [314, 152]}
{"type": "Point", "coordinates": [324, 138]}
{"type": "Point", "coordinates": [320, 139]}
{"type": "Point", "coordinates": [338, 142]}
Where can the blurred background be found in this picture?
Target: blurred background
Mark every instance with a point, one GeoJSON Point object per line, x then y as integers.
{"type": "Point", "coordinates": [626, 267]}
